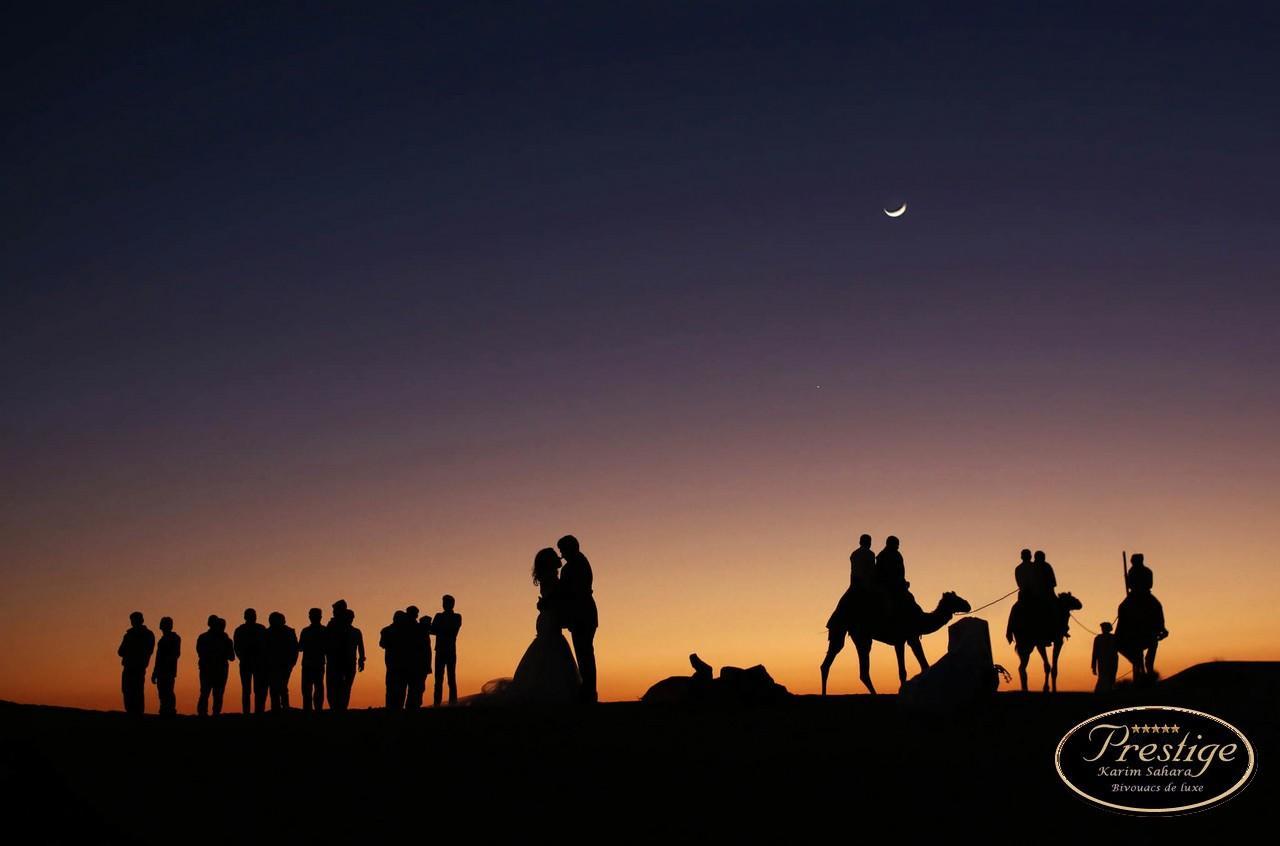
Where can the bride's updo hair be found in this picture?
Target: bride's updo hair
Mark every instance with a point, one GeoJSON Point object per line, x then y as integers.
{"type": "Point", "coordinates": [545, 565]}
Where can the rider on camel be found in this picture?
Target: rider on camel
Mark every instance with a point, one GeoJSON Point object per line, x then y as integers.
{"type": "Point", "coordinates": [1036, 583]}
{"type": "Point", "coordinates": [891, 578]}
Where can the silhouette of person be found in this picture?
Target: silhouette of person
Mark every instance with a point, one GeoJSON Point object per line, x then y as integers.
{"type": "Point", "coordinates": [581, 616]}
{"type": "Point", "coordinates": [1139, 577]}
{"type": "Point", "coordinates": [135, 654]}
{"type": "Point", "coordinates": [354, 656]}
{"type": "Point", "coordinates": [165, 672]}
{"type": "Point", "coordinates": [1035, 603]}
{"type": "Point", "coordinates": [445, 626]}
{"type": "Point", "coordinates": [346, 659]}
{"type": "Point", "coordinates": [891, 577]}
{"type": "Point", "coordinates": [214, 652]}
{"type": "Point", "coordinates": [1043, 582]}
{"type": "Point", "coordinates": [1140, 622]}
{"type": "Point", "coordinates": [393, 642]}
{"type": "Point", "coordinates": [862, 565]}
{"type": "Point", "coordinates": [250, 643]}
{"type": "Point", "coordinates": [280, 654]}
{"type": "Point", "coordinates": [337, 635]}
{"type": "Point", "coordinates": [417, 656]}
{"type": "Point", "coordinates": [1105, 660]}
{"type": "Point", "coordinates": [311, 643]}
{"type": "Point", "coordinates": [546, 672]}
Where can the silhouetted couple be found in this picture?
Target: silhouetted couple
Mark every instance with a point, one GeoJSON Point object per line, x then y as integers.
{"type": "Point", "coordinates": [878, 586]}
{"type": "Point", "coordinates": [547, 672]}
{"type": "Point", "coordinates": [136, 648]}
{"type": "Point", "coordinates": [267, 657]}
{"type": "Point", "coordinates": [1034, 612]}
{"type": "Point", "coordinates": [1040, 618]}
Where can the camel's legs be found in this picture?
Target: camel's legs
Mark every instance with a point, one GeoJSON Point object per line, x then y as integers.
{"type": "Point", "coordinates": [1044, 657]}
{"type": "Point", "coordinates": [1023, 658]}
{"type": "Point", "coordinates": [918, 650]}
{"type": "Point", "coordinates": [1151, 660]}
{"type": "Point", "coordinates": [835, 642]}
{"type": "Point", "coordinates": [1057, 650]}
{"type": "Point", "coordinates": [864, 662]}
{"type": "Point", "coordinates": [900, 649]}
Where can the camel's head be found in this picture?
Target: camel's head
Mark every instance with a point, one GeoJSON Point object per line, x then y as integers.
{"type": "Point", "coordinates": [953, 604]}
{"type": "Point", "coordinates": [1069, 602]}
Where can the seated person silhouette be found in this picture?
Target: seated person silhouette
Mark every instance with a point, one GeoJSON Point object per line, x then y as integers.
{"type": "Point", "coordinates": [891, 580]}
{"type": "Point", "coordinates": [1034, 606]}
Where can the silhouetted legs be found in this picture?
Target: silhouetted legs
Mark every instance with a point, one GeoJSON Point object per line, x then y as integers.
{"type": "Point", "coordinates": [164, 690]}
{"type": "Point", "coordinates": [133, 684]}
{"type": "Point", "coordinates": [585, 651]}
{"type": "Point", "coordinates": [396, 690]}
{"type": "Point", "coordinates": [835, 643]}
{"type": "Point", "coordinates": [446, 664]}
{"type": "Point", "coordinates": [863, 645]}
{"type": "Point", "coordinates": [252, 684]}
{"type": "Point", "coordinates": [312, 688]}
{"type": "Point", "coordinates": [280, 690]}
{"type": "Point", "coordinates": [335, 681]}
{"type": "Point", "coordinates": [416, 688]}
{"type": "Point", "coordinates": [211, 682]}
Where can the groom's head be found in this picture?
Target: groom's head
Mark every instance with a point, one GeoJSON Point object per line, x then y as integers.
{"type": "Point", "coordinates": [568, 545]}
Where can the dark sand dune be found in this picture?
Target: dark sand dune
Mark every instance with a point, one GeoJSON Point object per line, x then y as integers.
{"type": "Point", "coordinates": [620, 770]}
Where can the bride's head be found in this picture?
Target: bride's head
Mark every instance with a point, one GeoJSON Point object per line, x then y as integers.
{"type": "Point", "coordinates": [545, 565]}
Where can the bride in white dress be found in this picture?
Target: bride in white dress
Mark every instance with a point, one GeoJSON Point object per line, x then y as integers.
{"type": "Point", "coordinates": [547, 672]}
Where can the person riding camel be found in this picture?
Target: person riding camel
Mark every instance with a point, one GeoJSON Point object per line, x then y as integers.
{"type": "Point", "coordinates": [1140, 622]}
{"type": "Point", "coordinates": [1036, 592]}
{"type": "Point", "coordinates": [891, 579]}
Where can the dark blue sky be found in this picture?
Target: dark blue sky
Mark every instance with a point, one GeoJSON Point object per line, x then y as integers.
{"type": "Point", "coordinates": [373, 300]}
{"type": "Point", "coordinates": [329, 211]}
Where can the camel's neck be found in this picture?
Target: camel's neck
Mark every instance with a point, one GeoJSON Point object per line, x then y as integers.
{"type": "Point", "coordinates": [935, 619]}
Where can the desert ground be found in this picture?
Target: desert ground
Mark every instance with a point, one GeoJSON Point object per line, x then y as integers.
{"type": "Point", "coordinates": [841, 767]}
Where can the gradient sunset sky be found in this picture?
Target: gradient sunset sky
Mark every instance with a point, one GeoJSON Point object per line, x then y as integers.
{"type": "Point", "coordinates": [373, 301]}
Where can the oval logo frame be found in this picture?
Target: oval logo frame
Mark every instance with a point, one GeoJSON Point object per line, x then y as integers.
{"type": "Point", "coordinates": [1130, 761]}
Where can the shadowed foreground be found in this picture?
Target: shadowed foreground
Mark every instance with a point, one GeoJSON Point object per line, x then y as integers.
{"type": "Point", "coordinates": [577, 773]}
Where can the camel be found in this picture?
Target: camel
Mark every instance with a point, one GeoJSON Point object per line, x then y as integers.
{"type": "Point", "coordinates": [1139, 630]}
{"type": "Point", "coordinates": [1028, 633]}
{"type": "Point", "coordinates": [899, 630]}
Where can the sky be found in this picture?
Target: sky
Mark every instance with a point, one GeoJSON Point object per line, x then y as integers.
{"type": "Point", "coordinates": [302, 303]}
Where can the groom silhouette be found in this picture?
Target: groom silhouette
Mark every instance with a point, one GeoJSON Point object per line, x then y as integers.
{"type": "Point", "coordinates": [580, 616]}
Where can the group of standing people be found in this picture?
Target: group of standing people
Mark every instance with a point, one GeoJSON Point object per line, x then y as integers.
{"type": "Point", "coordinates": [331, 654]}
{"type": "Point", "coordinates": [407, 644]}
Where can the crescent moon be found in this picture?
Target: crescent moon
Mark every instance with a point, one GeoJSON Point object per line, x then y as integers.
{"type": "Point", "coordinates": [898, 212]}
